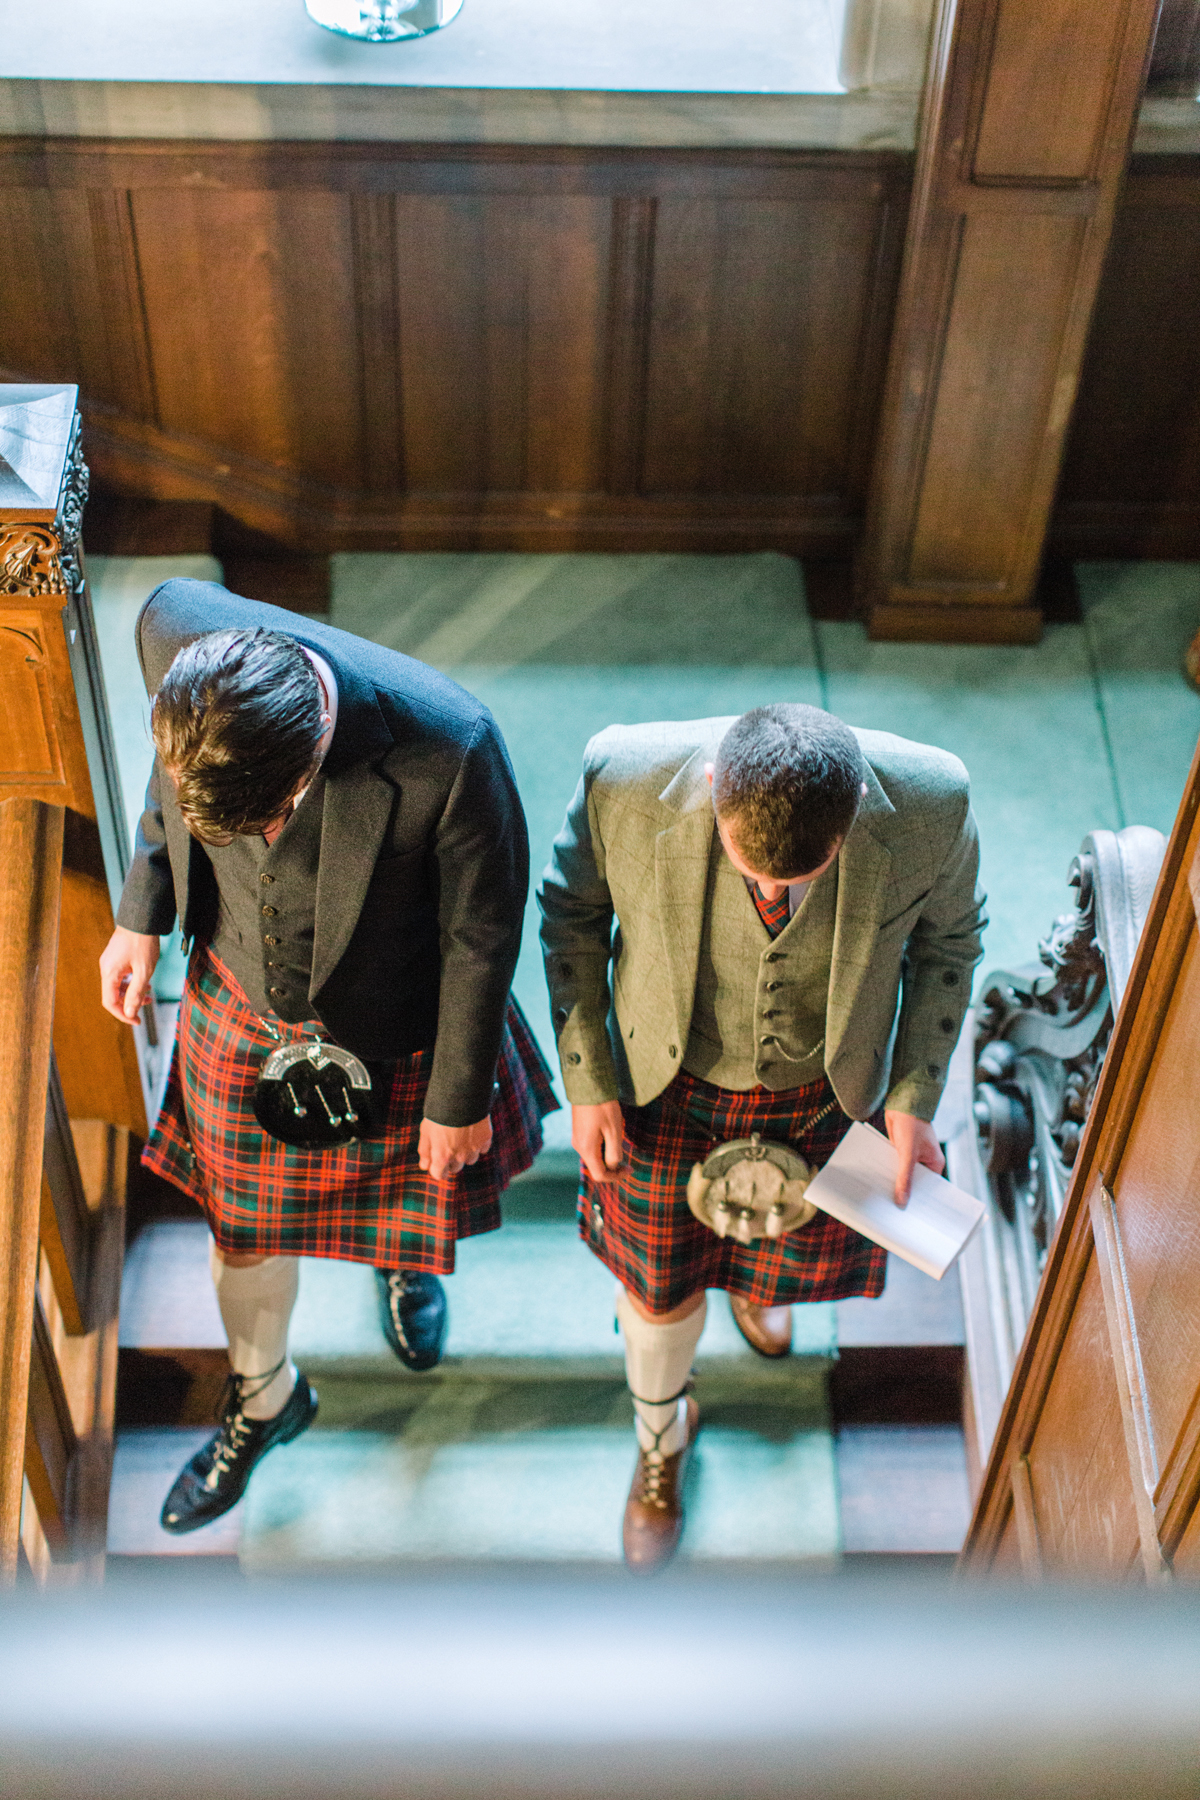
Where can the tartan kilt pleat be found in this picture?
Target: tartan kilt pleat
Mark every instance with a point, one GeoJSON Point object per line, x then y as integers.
{"type": "Point", "coordinates": [366, 1201]}
{"type": "Point", "coordinates": [643, 1230]}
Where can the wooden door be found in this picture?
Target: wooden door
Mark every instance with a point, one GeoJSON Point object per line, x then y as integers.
{"type": "Point", "coordinates": [1095, 1468]}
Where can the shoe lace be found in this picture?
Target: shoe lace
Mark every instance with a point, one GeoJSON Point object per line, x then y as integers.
{"type": "Point", "coordinates": [654, 1470]}
{"type": "Point", "coordinates": [235, 1426]}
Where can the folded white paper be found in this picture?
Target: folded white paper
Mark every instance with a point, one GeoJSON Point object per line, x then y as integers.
{"type": "Point", "coordinates": [856, 1186]}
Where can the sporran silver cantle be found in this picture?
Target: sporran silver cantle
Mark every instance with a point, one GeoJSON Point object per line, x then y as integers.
{"type": "Point", "coordinates": [748, 1189]}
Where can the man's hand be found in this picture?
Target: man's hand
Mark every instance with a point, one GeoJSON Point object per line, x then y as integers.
{"type": "Point", "coordinates": [914, 1142]}
{"type": "Point", "coordinates": [598, 1134]}
{"type": "Point", "coordinates": [444, 1151]}
{"type": "Point", "coordinates": [126, 965]}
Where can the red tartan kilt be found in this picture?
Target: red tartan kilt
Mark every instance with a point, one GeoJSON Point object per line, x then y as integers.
{"type": "Point", "coordinates": [362, 1202]}
{"type": "Point", "coordinates": [643, 1230]}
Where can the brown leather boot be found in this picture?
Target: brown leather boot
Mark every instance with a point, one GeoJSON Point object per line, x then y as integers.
{"type": "Point", "coordinates": [767, 1329]}
{"type": "Point", "coordinates": [654, 1509]}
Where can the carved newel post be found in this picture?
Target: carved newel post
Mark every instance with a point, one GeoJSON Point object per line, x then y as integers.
{"type": "Point", "coordinates": [55, 743]}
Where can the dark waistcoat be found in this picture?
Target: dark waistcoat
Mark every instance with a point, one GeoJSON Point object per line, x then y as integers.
{"type": "Point", "coordinates": [268, 908]}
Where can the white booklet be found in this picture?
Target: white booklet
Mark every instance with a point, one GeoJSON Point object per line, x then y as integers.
{"type": "Point", "coordinates": [856, 1186]}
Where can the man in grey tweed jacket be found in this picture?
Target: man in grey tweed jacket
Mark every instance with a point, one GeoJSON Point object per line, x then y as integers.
{"type": "Point", "coordinates": [699, 965]}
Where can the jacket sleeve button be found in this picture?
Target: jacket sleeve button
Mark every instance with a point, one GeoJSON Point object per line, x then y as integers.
{"type": "Point", "coordinates": [947, 1024]}
{"type": "Point", "coordinates": [950, 977]}
{"type": "Point", "coordinates": [672, 1050]}
{"type": "Point", "coordinates": [574, 1057]}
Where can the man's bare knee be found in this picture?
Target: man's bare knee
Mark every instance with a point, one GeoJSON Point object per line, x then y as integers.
{"type": "Point", "coordinates": [233, 1261]}
{"type": "Point", "coordinates": [684, 1310]}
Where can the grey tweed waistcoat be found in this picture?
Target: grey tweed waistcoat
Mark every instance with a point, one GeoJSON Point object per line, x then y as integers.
{"type": "Point", "coordinates": [758, 1018]}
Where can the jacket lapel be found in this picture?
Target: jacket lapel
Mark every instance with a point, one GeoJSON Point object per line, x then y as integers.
{"type": "Point", "coordinates": [681, 857]}
{"type": "Point", "coordinates": [358, 805]}
{"type": "Point", "coordinates": [864, 881]}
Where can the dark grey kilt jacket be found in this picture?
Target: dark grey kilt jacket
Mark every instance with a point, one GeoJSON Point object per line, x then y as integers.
{"type": "Point", "coordinates": [424, 861]}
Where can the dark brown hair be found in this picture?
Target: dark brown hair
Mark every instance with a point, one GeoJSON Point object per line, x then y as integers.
{"type": "Point", "coordinates": [787, 783]}
{"type": "Point", "coordinates": [237, 724]}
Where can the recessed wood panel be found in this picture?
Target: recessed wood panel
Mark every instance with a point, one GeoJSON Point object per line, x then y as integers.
{"type": "Point", "coordinates": [28, 741]}
{"type": "Point", "coordinates": [502, 304]}
{"type": "Point", "coordinates": [1048, 90]}
{"type": "Point", "coordinates": [759, 314]}
{"type": "Point", "coordinates": [1157, 1192]}
{"type": "Point", "coordinates": [1134, 443]}
{"type": "Point", "coordinates": [1078, 1464]}
{"type": "Point", "coordinates": [1001, 357]}
{"type": "Point", "coordinates": [250, 313]}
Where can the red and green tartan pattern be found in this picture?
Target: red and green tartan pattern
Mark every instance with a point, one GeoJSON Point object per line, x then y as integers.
{"type": "Point", "coordinates": [773, 913]}
{"type": "Point", "coordinates": [642, 1229]}
{"type": "Point", "coordinates": [361, 1202]}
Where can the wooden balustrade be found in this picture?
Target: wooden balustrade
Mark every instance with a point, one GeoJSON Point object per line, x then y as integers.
{"type": "Point", "coordinates": [1095, 1467]}
{"type": "Point", "coordinates": [31, 839]}
{"type": "Point", "coordinates": [73, 1111]}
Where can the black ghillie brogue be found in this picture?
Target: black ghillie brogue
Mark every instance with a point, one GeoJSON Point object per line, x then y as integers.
{"type": "Point", "coordinates": [215, 1478]}
{"type": "Point", "coordinates": [412, 1314]}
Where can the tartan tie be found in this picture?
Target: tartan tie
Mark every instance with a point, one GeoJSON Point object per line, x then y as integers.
{"type": "Point", "coordinates": [773, 913]}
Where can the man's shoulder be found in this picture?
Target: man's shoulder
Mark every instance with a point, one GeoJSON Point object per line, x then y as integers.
{"type": "Point", "coordinates": [911, 773]}
{"type": "Point", "coordinates": [414, 697]}
{"type": "Point", "coordinates": [649, 756]}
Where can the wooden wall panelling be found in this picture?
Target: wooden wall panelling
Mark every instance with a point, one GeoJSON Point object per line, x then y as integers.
{"type": "Point", "coordinates": [250, 310]}
{"type": "Point", "coordinates": [1013, 202]}
{"type": "Point", "coordinates": [1130, 483]}
{"type": "Point", "coordinates": [1104, 1406]}
{"type": "Point", "coordinates": [1175, 62]}
{"type": "Point", "coordinates": [87, 1364]}
{"type": "Point", "coordinates": [363, 346]}
{"type": "Point", "coordinates": [66, 1222]}
{"type": "Point", "coordinates": [50, 1440]}
{"type": "Point", "coordinates": [31, 857]}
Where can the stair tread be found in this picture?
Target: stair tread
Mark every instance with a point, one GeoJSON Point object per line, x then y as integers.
{"type": "Point", "coordinates": [903, 1488]}
{"type": "Point", "coordinates": [525, 1297]}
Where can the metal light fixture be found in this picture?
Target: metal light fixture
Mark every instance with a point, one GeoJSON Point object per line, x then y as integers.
{"type": "Point", "coordinates": [383, 21]}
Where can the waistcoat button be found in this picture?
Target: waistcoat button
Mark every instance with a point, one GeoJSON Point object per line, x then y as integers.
{"type": "Point", "coordinates": [266, 880]}
{"type": "Point", "coordinates": [269, 912]}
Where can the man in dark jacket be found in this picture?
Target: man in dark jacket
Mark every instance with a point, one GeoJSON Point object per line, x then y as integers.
{"type": "Point", "coordinates": [338, 830]}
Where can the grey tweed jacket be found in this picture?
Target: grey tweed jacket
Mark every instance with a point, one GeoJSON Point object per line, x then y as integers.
{"type": "Point", "coordinates": [623, 903]}
{"type": "Point", "coordinates": [424, 861]}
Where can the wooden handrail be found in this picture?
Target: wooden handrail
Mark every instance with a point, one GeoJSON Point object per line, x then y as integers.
{"type": "Point", "coordinates": [31, 849]}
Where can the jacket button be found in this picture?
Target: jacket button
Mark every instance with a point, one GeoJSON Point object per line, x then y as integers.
{"type": "Point", "coordinates": [766, 1040]}
{"type": "Point", "coordinates": [266, 880]}
{"type": "Point", "coordinates": [950, 977]}
{"type": "Point", "coordinates": [574, 1057]}
{"type": "Point", "coordinates": [672, 1050]}
{"type": "Point", "coordinates": [269, 912]}
{"type": "Point", "coordinates": [278, 993]}
{"type": "Point", "coordinates": [560, 1015]}
{"type": "Point", "coordinates": [947, 1024]}
{"type": "Point", "coordinates": [775, 956]}
{"type": "Point", "coordinates": [566, 969]}
{"type": "Point", "coordinates": [932, 1069]}
{"type": "Point", "coordinates": [774, 986]}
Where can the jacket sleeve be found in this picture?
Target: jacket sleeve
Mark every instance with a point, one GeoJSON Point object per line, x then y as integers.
{"type": "Point", "coordinates": [942, 951]}
{"type": "Point", "coordinates": [148, 896]}
{"type": "Point", "coordinates": [482, 852]}
{"type": "Point", "coordinates": [577, 935]}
